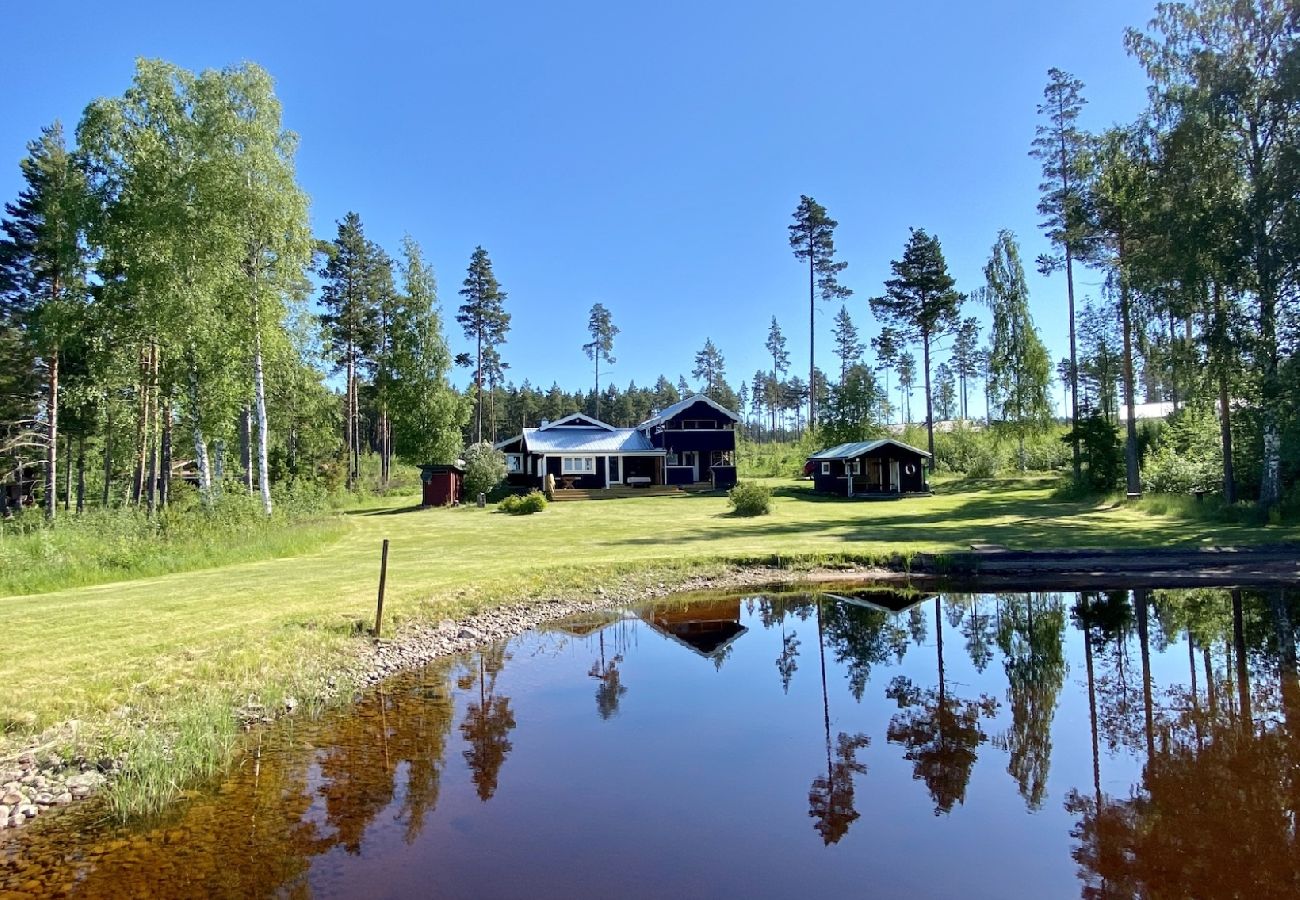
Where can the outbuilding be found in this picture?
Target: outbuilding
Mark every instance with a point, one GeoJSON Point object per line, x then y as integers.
{"type": "Point", "coordinates": [884, 467]}
{"type": "Point", "coordinates": [444, 485]}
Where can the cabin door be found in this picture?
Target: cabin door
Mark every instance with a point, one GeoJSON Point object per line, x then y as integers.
{"type": "Point", "coordinates": [615, 470]}
{"type": "Point", "coordinates": [692, 459]}
{"type": "Point", "coordinates": [894, 482]}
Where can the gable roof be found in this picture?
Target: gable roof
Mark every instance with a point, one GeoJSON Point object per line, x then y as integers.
{"type": "Point", "coordinates": [857, 448]}
{"type": "Point", "coordinates": [573, 439]}
{"type": "Point", "coordinates": [682, 405]}
{"type": "Point", "coordinates": [587, 422]}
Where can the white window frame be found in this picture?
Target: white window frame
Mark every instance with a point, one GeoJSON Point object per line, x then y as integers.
{"type": "Point", "coordinates": [826, 468]}
{"type": "Point", "coordinates": [578, 465]}
{"type": "Point", "coordinates": [857, 467]}
{"type": "Point", "coordinates": [514, 463]}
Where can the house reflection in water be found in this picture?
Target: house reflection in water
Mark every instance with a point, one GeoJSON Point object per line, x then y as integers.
{"type": "Point", "coordinates": [709, 629]}
{"type": "Point", "coordinates": [882, 600]}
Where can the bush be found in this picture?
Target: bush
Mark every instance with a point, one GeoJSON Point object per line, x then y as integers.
{"type": "Point", "coordinates": [523, 504]}
{"type": "Point", "coordinates": [749, 499]}
{"type": "Point", "coordinates": [485, 468]}
{"type": "Point", "coordinates": [987, 462]}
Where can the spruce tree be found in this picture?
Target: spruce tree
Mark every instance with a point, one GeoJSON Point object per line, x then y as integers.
{"type": "Point", "coordinates": [847, 346]}
{"type": "Point", "coordinates": [43, 266]}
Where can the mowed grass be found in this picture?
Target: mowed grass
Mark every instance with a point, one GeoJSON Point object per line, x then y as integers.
{"type": "Point", "coordinates": [134, 659]}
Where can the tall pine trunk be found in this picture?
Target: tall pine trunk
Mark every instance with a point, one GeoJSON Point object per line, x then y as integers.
{"type": "Point", "coordinates": [929, 408]}
{"type": "Point", "coordinates": [1074, 346]}
{"type": "Point", "coordinates": [1132, 479]}
{"type": "Point", "coordinates": [812, 335]}
{"type": "Point", "coordinates": [1222, 357]}
{"type": "Point", "coordinates": [81, 474]}
{"type": "Point", "coordinates": [348, 423]}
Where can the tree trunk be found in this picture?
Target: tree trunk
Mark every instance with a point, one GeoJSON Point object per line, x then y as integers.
{"type": "Point", "coordinates": [1222, 354]}
{"type": "Point", "coordinates": [52, 450]}
{"type": "Point", "coordinates": [141, 431]}
{"type": "Point", "coordinates": [108, 457]}
{"type": "Point", "coordinates": [196, 433]}
{"type": "Point", "coordinates": [245, 448]}
{"type": "Point", "coordinates": [1243, 672]}
{"type": "Point", "coordinates": [348, 423]}
{"type": "Point", "coordinates": [259, 399]}
{"type": "Point", "coordinates": [929, 407]}
{"type": "Point", "coordinates": [67, 472]}
{"type": "Point", "coordinates": [165, 473]}
{"type": "Point", "coordinates": [478, 390]}
{"type": "Point", "coordinates": [153, 432]}
{"type": "Point", "coordinates": [81, 474]}
{"type": "Point", "coordinates": [1133, 479]}
{"type": "Point", "coordinates": [812, 336]}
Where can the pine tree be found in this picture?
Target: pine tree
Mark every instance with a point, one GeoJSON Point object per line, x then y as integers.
{"type": "Point", "coordinates": [906, 382]}
{"type": "Point", "coordinates": [602, 329]}
{"type": "Point", "coordinates": [710, 369]}
{"type": "Point", "coordinates": [1062, 149]}
{"type": "Point", "coordinates": [812, 237]}
{"type": "Point", "coordinates": [889, 347]}
{"type": "Point", "coordinates": [921, 302]}
{"type": "Point", "coordinates": [485, 322]}
{"type": "Point", "coordinates": [780, 362]}
{"type": "Point", "coordinates": [349, 304]}
{"type": "Point", "coordinates": [965, 358]}
{"type": "Point", "coordinates": [945, 392]}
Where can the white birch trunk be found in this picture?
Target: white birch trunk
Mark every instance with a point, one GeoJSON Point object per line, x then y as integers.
{"type": "Point", "coordinates": [259, 411]}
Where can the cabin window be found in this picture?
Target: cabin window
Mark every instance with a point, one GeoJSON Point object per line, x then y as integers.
{"type": "Point", "coordinates": [857, 467]}
{"type": "Point", "coordinates": [514, 463]}
{"type": "Point", "coordinates": [826, 468]}
{"type": "Point", "coordinates": [578, 465]}
{"type": "Point", "coordinates": [672, 460]}
{"type": "Point", "coordinates": [696, 424]}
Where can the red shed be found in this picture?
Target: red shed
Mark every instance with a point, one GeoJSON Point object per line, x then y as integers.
{"type": "Point", "coordinates": [444, 485]}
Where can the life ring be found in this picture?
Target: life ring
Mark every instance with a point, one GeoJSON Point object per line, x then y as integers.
{"type": "Point", "coordinates": [909, 469]}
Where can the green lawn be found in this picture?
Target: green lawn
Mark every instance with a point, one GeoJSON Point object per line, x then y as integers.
{"type": "Point", "coordinates": [148, 650]}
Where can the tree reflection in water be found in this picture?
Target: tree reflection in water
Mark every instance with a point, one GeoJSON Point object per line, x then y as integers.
{"type": "Point", "coordinates": [940, 731]}
{"type": "Point", "coordinates": [488, 723]}
{"type": "Point", "coordinates": [1215, 813]}
{"type": "Point", "coordinates": [610, 689]}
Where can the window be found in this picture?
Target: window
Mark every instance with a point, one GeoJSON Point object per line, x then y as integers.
{"type": "Point", "coordinates": [826, 468]}
{"type": "Point", "coordinates": [514, 463]}
{"type": "Point", "coordinates": [578, 465]}
{"type": "Point", "coordinates": [696, 424]}
{"type": "Point", "coordinates": [857, 467]}
{"type": "Point", "coordinates": [671, 460]}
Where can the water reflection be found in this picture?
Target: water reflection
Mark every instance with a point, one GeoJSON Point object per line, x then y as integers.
{"type": "Point", "coordinates": [1139, 743]}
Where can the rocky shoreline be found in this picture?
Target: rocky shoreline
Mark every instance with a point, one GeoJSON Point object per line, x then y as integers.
{"type": "Point", "coordinates": [30, 787]}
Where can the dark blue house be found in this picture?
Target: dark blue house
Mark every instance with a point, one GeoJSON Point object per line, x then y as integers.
{"type": "Point", "coordinates": [692, 442]}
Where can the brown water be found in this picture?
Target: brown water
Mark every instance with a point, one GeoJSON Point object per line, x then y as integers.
{"type": "Point", "coordinates": [1123, 744]}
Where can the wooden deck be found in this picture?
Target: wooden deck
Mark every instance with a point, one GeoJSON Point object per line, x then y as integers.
{"type": "Point", "coordinates": [614, 493]}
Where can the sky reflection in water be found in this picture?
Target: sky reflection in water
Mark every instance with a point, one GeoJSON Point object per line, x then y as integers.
{"type": "Point", "coordinates": [1121, 744]}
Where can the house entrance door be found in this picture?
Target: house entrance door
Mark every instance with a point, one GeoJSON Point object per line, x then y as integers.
{"type": "Point", "coordinates": [692, 459]}
{"type": "Point", "coordinates": [615, 470]}
{"type": "Point", "coordinates": [894, 483]}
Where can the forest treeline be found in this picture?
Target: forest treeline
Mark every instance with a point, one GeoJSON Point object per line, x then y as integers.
{"type": "Point", "coordinates": [166, 313]}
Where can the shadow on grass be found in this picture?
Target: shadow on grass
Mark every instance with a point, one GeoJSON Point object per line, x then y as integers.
{"type": "Point", "coordinates": [395, 511]}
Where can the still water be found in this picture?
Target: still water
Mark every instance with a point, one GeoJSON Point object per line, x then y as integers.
{"type": "Point", "coordinates": [1118, 744]}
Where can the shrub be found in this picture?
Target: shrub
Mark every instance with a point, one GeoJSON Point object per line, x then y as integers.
{"type": "Point", "coordinates": [749, 499]}
{"type": "Point", "coordinates": [987, 462]}
{"type": "Point", "coordinates": [485, 468]}
{"type": "Point", "coordinates": [523, 504]}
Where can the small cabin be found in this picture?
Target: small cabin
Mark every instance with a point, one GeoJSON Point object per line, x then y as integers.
{"type": "Point", "coordinates": [443, 485]}
{"type": "Point", "coordinates": [883, 467]}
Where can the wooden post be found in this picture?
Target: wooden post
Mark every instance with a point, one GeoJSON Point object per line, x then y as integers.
{"type": "Point", "coordinates": [383, 576]}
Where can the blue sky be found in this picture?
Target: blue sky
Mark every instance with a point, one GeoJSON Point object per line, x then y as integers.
{"type": "Point", "coordinates": [644, 155]}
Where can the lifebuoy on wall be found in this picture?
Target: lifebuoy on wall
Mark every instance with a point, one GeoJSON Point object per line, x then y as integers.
{"type": "Point", "coordinates": [909, 469]}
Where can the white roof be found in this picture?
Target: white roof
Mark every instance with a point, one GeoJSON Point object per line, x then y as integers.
{"type": "Point", "coordinates": [587, 440]}
{"type": "Point", "coordinates": [682, 406]}
{"type": "Point", "coordinates": [857, 448]}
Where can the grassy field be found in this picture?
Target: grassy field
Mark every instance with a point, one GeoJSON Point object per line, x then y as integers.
{"type": "Point", "coordinates": [136, 663]}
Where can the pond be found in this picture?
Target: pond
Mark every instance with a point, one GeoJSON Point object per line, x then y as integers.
{"type": "Point", "coordinates": [1123, 743]}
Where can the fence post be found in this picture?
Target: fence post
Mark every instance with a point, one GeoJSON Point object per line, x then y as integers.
{"type": "Point", "coordinates": [383, 576]}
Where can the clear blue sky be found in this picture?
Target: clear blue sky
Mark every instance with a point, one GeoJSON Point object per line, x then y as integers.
{"type": "Point", "coordinates": [645, 155]}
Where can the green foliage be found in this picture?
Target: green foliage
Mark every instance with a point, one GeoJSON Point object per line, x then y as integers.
{"type": "Point", "coordinates": [523, 504]}
{"type": "Point", "coordinates": [853, 410]}
{"type": "Point", "coordinates": [778, 459]}
{"type": "Point", "coordinates": [485, 468]}
{"type": "Point", "coordinates": [1186, 456]}
{"type": "Point", "coordinates": [485, 322]}
{"type": "Point", "coordinates": [1103, 453]}
{"type": "Point", "coordinates": [750, 499]}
